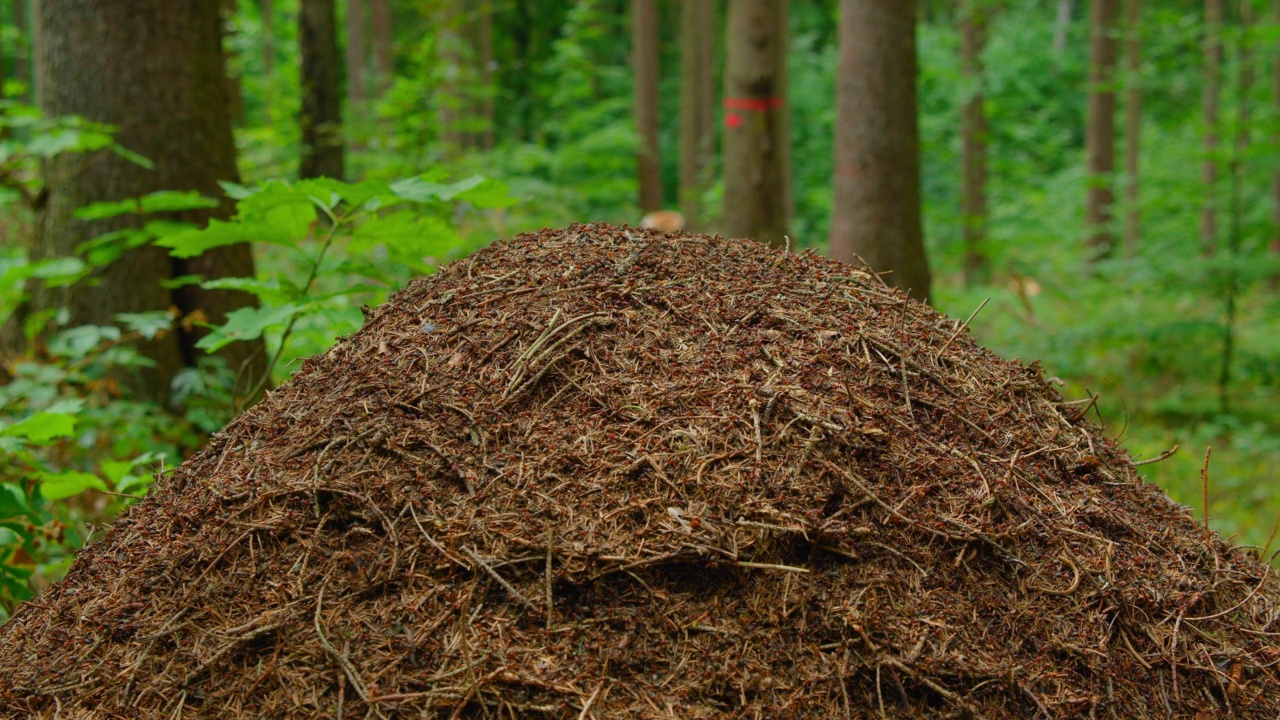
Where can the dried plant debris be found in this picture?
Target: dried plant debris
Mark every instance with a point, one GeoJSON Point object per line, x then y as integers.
{"type": "Point", "coordinates": [606, 472]}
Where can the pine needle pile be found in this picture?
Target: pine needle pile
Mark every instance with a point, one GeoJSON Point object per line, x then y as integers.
{"type": "Point", "coordinates": [605, 472]}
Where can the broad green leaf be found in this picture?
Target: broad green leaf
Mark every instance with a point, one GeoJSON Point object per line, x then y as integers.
{"type": "Point", "coordinates": [181, 281]}
{"type": "Point", "coordinates": [8, 537]}
{"type": "Point", "coordinates": [235, 191]}
{"type": "Point", "coordinates": [195, 241]}
{"type": "Point", "coordinates": [489, 194]}
{"type": "Point", "coordinates": [77, 342]}
{"type": "Point", "coordinates": [176, 201]}
{"type": "Point", "coordinates": [270, 290]}
{"type": "Point", "coordinates": [13, 502]}
{"type": "Point", "coordinates": [147, 324]}
{"type": "Point", "coordinates": [59, 271]}
{"type": "Point", "coordinates": [58, 486]}
{"type": "Point", "coordinates": [247, 324]}
{"type": "Point", "coordinates": [42, 427]}
{"type": "Point", "coordinates": [110, 209]}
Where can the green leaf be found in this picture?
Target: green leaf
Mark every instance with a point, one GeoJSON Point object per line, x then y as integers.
{"type": "Point", "coordinates": [181, 281]}
{"type": "Point", "coordinates": [195, 241]}
{"type": "Point", "coordinates": [13, 502]}
{"type": "Point", "coordinates": [270, 290]}
{"type": "Point", "coordinates": [235, 191]}
{"type": "Point", "coordinates": [42, 427]}
{"type": "Point", "coordinates": [176, 201]}
{"type": "Point", "coordinates": [59, 486]}
{"type": "Point", "coordinates": [59, 271]}
{"type": "Point", "coordinates": [247, 324]}
{"type": "Point", "coordinates": [147, 324]}
{"type": "Point", "coordinates": [103, 210]}
{"type": "Point", "coordinates": [489, 194]}
{"type": "Point", "coordinates": [9, 537]}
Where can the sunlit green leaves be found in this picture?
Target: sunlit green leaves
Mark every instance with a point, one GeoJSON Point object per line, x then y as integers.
{"type": "Point", "coordinates": [247, 324]}
{"type": "Point", "coordinates": [41, 427]}
{"type": "Point", "coordinates": [62, 485]}
{"type": "Point", "coordinates": [157, 202]}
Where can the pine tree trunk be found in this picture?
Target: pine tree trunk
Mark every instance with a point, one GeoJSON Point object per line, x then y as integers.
{"type": "Point", "coordinates": [383, 50]}
{"type": "Point", "coordinates": [1132, 125]}
{"type": "Point", "coordinates": [644, 46]}
{"type": "Point", "coordinates": [357, 55]}
{"type": "Point", "coordinates": [154, 68]}
{"type": "Point", "coordinates": [756, 139]}
{"type": "Point", "coordinates": [1100, 135]}
{"type": "Point", "coordinates": [973, 129]}
{"type": "Point", "coordinates": [1212, 90]}
{"type": "Point", "coordinates": [697, 111]}
{"type": "Point", "coordinates": [321, 118]}
{"type": "Point", "coordinates": [876, 212]}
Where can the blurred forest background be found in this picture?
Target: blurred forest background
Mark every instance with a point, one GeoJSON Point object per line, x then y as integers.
{"type": "Point", "coordinates": [195, 195]}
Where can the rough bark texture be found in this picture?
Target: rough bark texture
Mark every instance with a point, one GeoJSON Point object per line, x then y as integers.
{"type": "Point", "coordinates": [697, 107]}
{"type": "Point", "coordinates": [383, 51]}
{"type": "Point", "coordinates": [1100, 135]}
{"type": "Point", "coordinates": [1212, 90]}
{"type": "Point", "coordinates": [153, 68]}
{"type": "Point", "coordinates": [755, 135]}
{"type": "Point", "coordinates": [876, 214]}
{"type": "Point", "coordinates": [321, 118]}
{"type": "Point", "coordinates": [644, 46]}
{"type": "Point", "coordinates": [1132, 124]}
{"type": "Point", "coordinates": [973, 151]}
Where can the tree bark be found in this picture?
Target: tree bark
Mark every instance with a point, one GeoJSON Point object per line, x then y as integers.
{"type": "Point", "coordinates": [1132, 125]}
{"type": "Point", "coordinates": [383, 49]}
{"type": "Point", "coordinates": [321, 118]}
{"type": "Point", "coordinates": [154, 68]}
{"type": "Point", "coordinates": [357, 55]}
{"type": "Point", "coordinates": [877, 210]}
{"type": "Point", "coordinates": [697, 111]}
{"type": "Point", "coordinates": [756, 138]}
{"type": "Point", "coordinates": [1062, 24]}
{"type": "Point", "coordinates": [973, 130]}
{"type": "Point", "coordinates": [450, 93]}
{"type": "Point", "coordinates": [1212, 90]}
{"type": "Point", "coordinates": [644, 46]}
{"type": "Point", "coordinates": [1100, 134]}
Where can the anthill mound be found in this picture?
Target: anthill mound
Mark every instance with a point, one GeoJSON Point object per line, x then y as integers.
{"type": "Point", "coordinates": [611, 473]}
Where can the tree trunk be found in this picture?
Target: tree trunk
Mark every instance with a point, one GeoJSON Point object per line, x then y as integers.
{"type": "Point", "coordinates": [1062, 24]}
{"type": "Point", "coordinates": [383, 50]}
{"type": "Point", "coordinates": [321, 118]}
{"type": "Point", "coordinates": [973, 129]}
{"type": "Point", "coordinates": [357, 55]}
{"type": "Point", "coordinates": [1100, 135]}
{"type": "Point", "coordinates": [697, 121]}
{"type": "Point", "coordinates": [154, 68]}
{"type": "Point", "coordinates": [876, 213]}
{"type": "Point", "coordinates": [1212, 89]}
{"type": "Point", "coordinates": [1132, 125]}
{"type": "Point", "coordinates": [755, 140]}
{"type": "Point", "coordinates": [21, 49]}
{"type": "Point", "coordinates": [644, 46]}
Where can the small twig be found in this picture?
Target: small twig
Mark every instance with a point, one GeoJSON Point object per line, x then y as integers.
{"type": "Point", "coordinates": [1162, 456]}
{"type": "Point", "coordinates": [1204, 488]}
{"type": "Point", "coordinates": [501, 581]}
{"type": "Point", "coordinates": [960, 329]}
{"type": "Point", "coordinates": [550, 599]}
{"type": "Point", "coordinates": [586, 707]}
{"type": "Point", "coordinates": [343, 662]}
{"type": "Point", "coordinates": [770, 566]}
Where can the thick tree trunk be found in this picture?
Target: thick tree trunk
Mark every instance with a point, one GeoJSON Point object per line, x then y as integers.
{"type": "Point", "coordinates": [876, 213]}
{"type": "Point", "coordinates": [1100, 135]}
{"type": "Point", "coordinates": [1212, 89]}
{"type": "Point", "coordinates": [154, 68]}
{"type": "Point", "coordinates": [973, 129]}
{"type": "Point", "coordinates": [383, 50]}
{"type": "Point", "coordinates": [1132, 125]}
{"type": "Point", "coordinates": [756, 138]}
{"type": "Point", "coordinates": [321, 118]}
{"type": "Point", "coordinates": [644, 46]}
{"type": "Point", "coordinates": [697, 108]}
